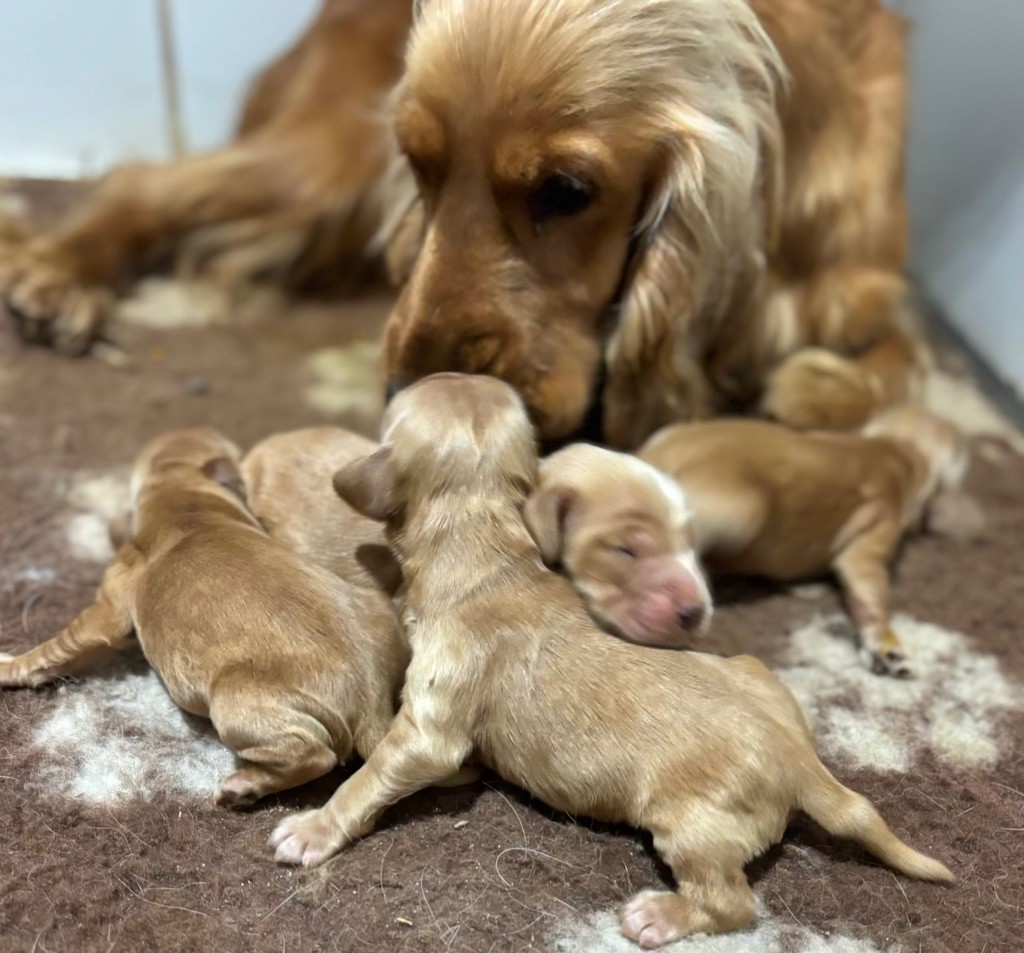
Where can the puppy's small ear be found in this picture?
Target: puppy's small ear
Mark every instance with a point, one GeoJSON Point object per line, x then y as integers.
{"type": "Point", "coordinates": [224, 470]}
{"type": "Point", "coordinates": [956, 515]}
{"type": "Point", "coordinates": [366, 485]}
{"type": "Point", "coordinates": [546, 513]}
{"type": "Point", "coordinates": [119, 529]}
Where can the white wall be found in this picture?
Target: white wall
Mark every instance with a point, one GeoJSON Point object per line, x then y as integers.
{"type": "Point", "coordinates": [81, 83]}
{"type": "Point", "coordinates": [221, 45]}
{"type": "Point", "coordinates": [966, 169]}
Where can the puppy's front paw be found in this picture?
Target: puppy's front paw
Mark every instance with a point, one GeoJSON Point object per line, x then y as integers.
{"type": "Point", "coordinates": [654, 918]}
{"type": "Point", "coordinates": [882, 653]}
{"type": "Point", "coordinates": [307, 839]}
{"type": "Point", "coordinates": [50, 306]}
{"type": "Point", "coordinates": [817, 389]}
{"type": "Point", "coordinates": [891, 662]}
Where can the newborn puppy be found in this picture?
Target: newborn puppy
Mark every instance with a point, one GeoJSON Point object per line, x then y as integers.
{"type": "Point", "coordinates": [295, 667]}
{"type": "Point", "coordinates": [787, 505]}
{"type": "Point", "coordinates": [621, 531]}
{"type": "Point", "coordinates": [288, 486]}
{"type": "Point", "coordinates": [711, 755]}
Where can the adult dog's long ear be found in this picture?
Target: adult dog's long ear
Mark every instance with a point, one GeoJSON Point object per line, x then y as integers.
{"type": "Point", "coordinates": [546, 513]}
{"type": "Point", "coordinates": [700, 245]}
{"type": "Point", "coordinates": [399, 237]}
{"type": "Point", "coordinates": [367, 486]}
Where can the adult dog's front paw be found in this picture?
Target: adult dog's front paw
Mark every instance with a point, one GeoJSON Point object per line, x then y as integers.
{"type": "Point", "coordinates": [817, 389]}
{"type": "Point", "coordinates": [307, 839]}
{"type": "Point", "coordinates": [51, 306]}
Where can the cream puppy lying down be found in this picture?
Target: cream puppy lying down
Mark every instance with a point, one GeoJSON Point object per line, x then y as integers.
{"type": "Point", "coordinates": [711, 755]}
{"type": "Point", "coordinates": [621, 531]}
{"type": "Point", "coordinates": [787, 505]}
{"type": "Point", "coordinates": [296, 667]}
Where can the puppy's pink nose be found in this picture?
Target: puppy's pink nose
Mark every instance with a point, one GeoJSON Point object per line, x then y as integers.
{"type": "Point", "coordinates": [690, 616]}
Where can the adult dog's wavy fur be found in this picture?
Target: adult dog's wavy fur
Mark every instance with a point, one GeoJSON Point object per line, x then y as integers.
{"type": "Point", "coordinates": [690, 204]}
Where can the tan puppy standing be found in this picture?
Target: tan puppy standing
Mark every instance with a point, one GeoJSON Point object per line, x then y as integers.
{"type": "Point", "coordinates": [769, 501]}
{"type": "Point", "coordinates": [711, 755]}
{"type": "Point", "coordinates": [295, 667]}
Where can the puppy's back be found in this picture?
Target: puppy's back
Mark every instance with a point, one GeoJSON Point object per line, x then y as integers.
{"type": "Point", "coordinates": [625, 719]}
{"type": "Point", "coordinates": [771, 501]}
{"type": "Point", "coordinates": [288, 483]}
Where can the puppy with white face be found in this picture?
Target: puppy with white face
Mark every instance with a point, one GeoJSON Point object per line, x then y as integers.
{"type": "Point", "coordinates": [621, 531]}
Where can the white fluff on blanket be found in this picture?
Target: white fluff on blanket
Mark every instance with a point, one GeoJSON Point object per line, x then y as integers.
{"type": "Point", "coordinates": [952, 706]}
{"type": "Point", "coordinates": [118, 737]}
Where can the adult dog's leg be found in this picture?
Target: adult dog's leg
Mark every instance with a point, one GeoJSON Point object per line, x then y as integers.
{"type": "Point", "coordinates": [839, 309]}
{"type": "Point", "coordinates": [61, 286]}
{"type": "Point", "coordinates": [864, 352]}
{"type": "Point", "coordinates": [312, 144]}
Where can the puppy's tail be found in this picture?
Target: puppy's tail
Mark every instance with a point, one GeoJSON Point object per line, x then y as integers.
{"type": "Point", "coordinates": [844, 813]}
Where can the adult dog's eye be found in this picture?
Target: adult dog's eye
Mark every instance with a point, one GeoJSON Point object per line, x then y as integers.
{"type": "Point", "coordinates": [625, 552]}
{"type": "Point", "coordinates": [560, 195]}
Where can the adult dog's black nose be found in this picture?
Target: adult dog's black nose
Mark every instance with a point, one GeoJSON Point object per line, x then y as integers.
{"type": "Point", "coordinates": [396, 384]}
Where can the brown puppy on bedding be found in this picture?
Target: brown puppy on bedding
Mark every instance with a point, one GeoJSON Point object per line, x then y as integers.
{"type": "Point", "coordinates": [295, 667]}
{"type": "Point", "coordinates": [711, 755]}
{"type": "Point", "coordinates": [768, 501]}
{"type": "Point", "coordinates": [621, 531]}
{"type": "Point", "coordinates": [288, 486]}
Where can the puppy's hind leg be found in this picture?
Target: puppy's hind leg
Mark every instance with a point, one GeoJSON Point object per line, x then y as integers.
{"type": "Point", "coordinates": [713, 895]}
{"type": "Point", "coordinates": [280, 747]}
{"type": "Point", "coordinates": [863, 571]}
{"type": "Point", "coordinates": [104, 626]}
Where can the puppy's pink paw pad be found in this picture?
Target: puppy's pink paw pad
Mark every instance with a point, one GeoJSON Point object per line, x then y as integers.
{"type": "Point", "coordinates": [306, 839]}
{"type": "Point", "coordinates": [236, 792]}
{"type": "Point", "coordinates": [652, 919]}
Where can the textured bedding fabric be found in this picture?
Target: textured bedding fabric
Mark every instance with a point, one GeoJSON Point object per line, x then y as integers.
{"type": "Point", "coordinates": [109, 839]}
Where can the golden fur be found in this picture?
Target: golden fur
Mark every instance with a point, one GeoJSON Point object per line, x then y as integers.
{"type": "Point", "coordinates": [296, 668]}
{"type": "Point", "coordinates": [711, 755]}
{"type": "Point", "coordinates": [742, 229]}
{"type": "Point", "coordinates": [741, 238]}
{"type": "Point", "coordinates": [288, 485]}
{"type": "Point", "coordinates": [772, 502]}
